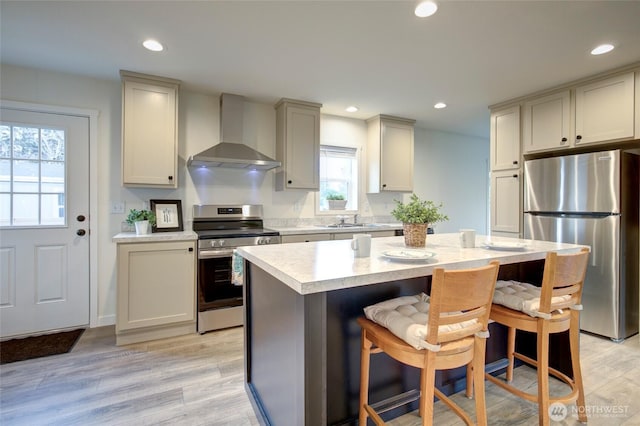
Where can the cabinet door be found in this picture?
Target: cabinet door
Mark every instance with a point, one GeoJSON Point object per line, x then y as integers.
{"type": "Point", "coordinates": [156, 284]}
{"type": "Point", "coordinates": [304, 238]}
{"type": "Point", "coordinates": [149, 135]}
{"type": "Point", "coordinates": [505, 138]}
{"type": "Point", "coordinates": [605, 110]}
{"type": "Point", "coordinates": [298, 145]}
{"type": "Point", "coordinates": [505, 201]}
{"type": "Point", "coordinates": [546, 123]}
{"type": "Point", "coordinates": [396, 157]}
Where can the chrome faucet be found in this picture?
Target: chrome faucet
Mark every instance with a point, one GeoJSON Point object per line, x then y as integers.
{"type": "Point", "coordinates": [355, 218]}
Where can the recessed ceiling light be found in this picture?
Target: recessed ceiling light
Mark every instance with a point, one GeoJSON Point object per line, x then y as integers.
{"type": "Point", "coordinates": [603, 48]}
{"type": "Point", "coordinates": [351, 108]}
{"type": "Point", "coordinates": [440, 105]}
{"type": "Point", "coordinates": [426, 8]}
{"type": "Point", "coordinates": [153, 45]}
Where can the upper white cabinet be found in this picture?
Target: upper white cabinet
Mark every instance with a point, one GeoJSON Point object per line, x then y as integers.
{"type": "Point", "coordinates": [546, 123]}
{"type": "Point", "coordinates": [389, 154]}
{"type": "Point", "coordinates": [605, 110]}
{"type": "Point", "coordinates": [298, 144]}
{"type": "Point", "coordinates": [149, 130]}
{"type": "Point", "coordinates": [505, 138]}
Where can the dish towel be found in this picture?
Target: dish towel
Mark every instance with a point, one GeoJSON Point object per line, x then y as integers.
{"type": "Point", "coordinates": [237, 269]}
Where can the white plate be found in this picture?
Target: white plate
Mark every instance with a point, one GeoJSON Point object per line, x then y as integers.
{"type": "Point", "coordinates": [412, 255]}
{"type": "Point", "coordinates": [506, 246]}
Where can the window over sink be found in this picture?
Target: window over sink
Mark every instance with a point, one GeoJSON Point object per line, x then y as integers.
{"type": "Point", "coordinates": [338, 180]}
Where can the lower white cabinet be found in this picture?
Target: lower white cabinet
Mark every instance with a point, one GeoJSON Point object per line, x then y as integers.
{"type": "Point", "coordinates": [505, 202]}
{"type": "Point", "coordinates": [305, 238]}
{"type": "Point", "coordinates": [156, 293]}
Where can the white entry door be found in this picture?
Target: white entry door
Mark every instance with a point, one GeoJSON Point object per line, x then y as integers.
{"type": "Point", "coordinates": [44, 222]}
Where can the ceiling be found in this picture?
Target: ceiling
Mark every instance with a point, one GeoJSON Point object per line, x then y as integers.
{"type": "Point", "coordinates": [374, 54]}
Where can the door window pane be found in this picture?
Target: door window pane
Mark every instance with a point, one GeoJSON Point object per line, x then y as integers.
{"type": "Point", "coordinates": [32, 175]}
{"type": "Point", "coordinates": [25, 209]}
{"type": "Point", "coordinates": [26, 142]}
{"type": "Point", "coordinates": [51, 211]}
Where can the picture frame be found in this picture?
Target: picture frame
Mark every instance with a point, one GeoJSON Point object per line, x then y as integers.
{"type": "Point", "coordinates": [168, 215]}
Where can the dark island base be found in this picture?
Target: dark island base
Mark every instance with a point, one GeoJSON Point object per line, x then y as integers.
{"type": "Point", "coordinates": [302, 353]}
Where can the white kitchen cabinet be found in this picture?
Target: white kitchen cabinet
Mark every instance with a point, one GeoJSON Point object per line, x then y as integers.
{"type": "Point", "coordinates": [389, 154]}
{"type": "Point", "coordinates": [374, 234]}
{"type": "Point", "coordinates": [149, 130]}
{"type": "Point", "coordinates": [637, 105]}
{"type": "Point", "coordinates": [504, 139]}
{"type": "Point", "coordinates": [304, 238]}
{"type": "Point", "coordinates": [506, 201]}
{"type": "Point", "coordinates": [546, 123]}
{"type": "Point", "coordinates": [297, 145]}
{"type": "Point", "coordinates": [156, 290]}
{"type": "Point", "coordinates": [605, 110]}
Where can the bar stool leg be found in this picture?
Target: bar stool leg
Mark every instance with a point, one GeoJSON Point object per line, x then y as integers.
{"type": "Point", "coordinates": [574, 342]}
{"type": "Point", "coordinates": [427, 386]}
{"type": "Point", "coordinates": [470, 381]}
{"type": "Point", "coordinates": [365, 356]}
{"type": "Point", "coordinates": [511, 348]}
{"type": "Point", "coordinates": [478, 380]}
{"type": "Point", "coordinates": [543, 372]}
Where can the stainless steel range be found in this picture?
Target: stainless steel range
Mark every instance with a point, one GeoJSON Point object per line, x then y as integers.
{"type": "Point", "coordinates": [220, 229]}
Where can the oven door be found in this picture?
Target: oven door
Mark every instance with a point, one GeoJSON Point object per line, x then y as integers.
{"type": "Point", "coordinates": [215, 289]}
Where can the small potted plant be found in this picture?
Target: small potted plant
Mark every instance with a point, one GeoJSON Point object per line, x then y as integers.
{"type": "Point", "coordinates": [416, 216]}
{"type": "Point", "coordinates": [336, 201]}
{"type": "Point", "coordinates": [141, 219]}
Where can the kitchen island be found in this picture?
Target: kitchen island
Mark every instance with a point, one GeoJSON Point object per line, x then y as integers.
{"type": "Point", "coordinates": [301, 301]}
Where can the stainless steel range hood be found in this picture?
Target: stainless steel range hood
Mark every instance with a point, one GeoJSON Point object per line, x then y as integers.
{"type": "Point", "coordinates": [231, 152]}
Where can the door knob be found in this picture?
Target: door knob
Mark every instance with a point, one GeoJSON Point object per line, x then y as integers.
{"type": "Point", "coordinates": [81, 232]}
{"type": "Point", "coordinates": [80, 218]}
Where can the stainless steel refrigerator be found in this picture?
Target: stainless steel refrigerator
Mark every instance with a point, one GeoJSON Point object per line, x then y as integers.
{"type": "Point", "coordinates": [592, 199]}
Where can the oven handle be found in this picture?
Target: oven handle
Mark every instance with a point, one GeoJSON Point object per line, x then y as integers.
{"type": "Point", "coordinates": [212, 254]}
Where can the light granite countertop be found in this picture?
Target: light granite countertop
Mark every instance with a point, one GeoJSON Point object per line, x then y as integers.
{"type": "Point", "coordinates": [314, 267]}
{"type": "Point", "coordinates": [324, 229]}
{"type": "Point", "coordinates": [131, 237]}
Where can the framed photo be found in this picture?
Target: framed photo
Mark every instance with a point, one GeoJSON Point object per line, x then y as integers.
{"type": "Point", "coordinates": [168, 215]}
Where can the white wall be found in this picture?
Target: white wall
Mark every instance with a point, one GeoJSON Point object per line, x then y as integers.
{"type": "Point", "coordinates": [449, 168]}
{"type": "Point", "coordinates": [454, 170]}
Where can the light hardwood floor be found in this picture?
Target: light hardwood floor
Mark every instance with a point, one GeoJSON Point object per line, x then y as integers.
{"type": "Point", "coordinates": [198, 380]}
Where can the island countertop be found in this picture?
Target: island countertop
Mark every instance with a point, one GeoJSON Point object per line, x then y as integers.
{"type": "Point", "coordinates": [315, 267]}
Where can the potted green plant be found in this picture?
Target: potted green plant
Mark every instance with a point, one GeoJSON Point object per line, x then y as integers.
{"type": "Point", "coordinates": [336, 201]}
{"type": "Point", "coordinates": [416, 216]}
{"type": "Point", "coordinates": [141, 219]}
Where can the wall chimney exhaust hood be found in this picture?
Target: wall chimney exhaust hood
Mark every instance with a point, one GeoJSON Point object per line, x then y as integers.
{"type": "Point", "coordinates": [231, 152]}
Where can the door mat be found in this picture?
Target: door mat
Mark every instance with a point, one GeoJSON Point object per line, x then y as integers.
{"type": "Point", "coordinates": [38, 346]}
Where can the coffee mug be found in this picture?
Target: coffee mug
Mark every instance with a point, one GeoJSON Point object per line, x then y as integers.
{"type": "Point", "coordinates": [361, 245]}
{"type": "Point", "coordinates": [467, 238]}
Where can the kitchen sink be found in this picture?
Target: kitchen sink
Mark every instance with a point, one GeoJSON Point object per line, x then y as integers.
{"type": "Point", "coordinates": [346, 225]}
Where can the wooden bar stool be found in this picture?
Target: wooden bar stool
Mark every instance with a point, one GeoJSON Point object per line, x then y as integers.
{"type": "Point", "coordinates": [556, 309]}
{"type": "Point", "coordinates": [438, 332]}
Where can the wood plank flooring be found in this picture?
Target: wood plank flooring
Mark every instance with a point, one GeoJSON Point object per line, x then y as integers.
{"type": "Point", "coordinates": [198, 380]}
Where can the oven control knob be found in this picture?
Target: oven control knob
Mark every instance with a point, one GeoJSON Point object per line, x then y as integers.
{"type": "Point", "coordinates": [221, 243]}
{"type": "Point", "coordinates": [267, 240]}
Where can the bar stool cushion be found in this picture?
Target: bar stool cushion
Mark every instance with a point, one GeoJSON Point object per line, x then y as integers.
{"type": "Point", "coordinates": [523, 297]}
{"type": "Point", "coordinates": [407, 317]}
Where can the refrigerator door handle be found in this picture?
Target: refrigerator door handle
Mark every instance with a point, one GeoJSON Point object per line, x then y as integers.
{"type": "Point", "coordinates": [573, 215]}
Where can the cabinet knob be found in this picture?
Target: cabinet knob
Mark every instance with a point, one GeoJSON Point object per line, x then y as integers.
{"type": "Point", "coordinates": [515, 176]}
{"type": "Point", "coordinates": [289, 181]}
{"type": "Point", "coordinates": [515, 161]}
{"type": "Point", "coordinates": [81, 232]}
{"type": "Point", "coordinates": [190, 248]}
{"type": "Point", "coordinates": [578, 137]}
{"type": "Point", "coordinates": [384, 185]}
{"type": "Point", "coordinates": [564, 140]}
{"type": "Point", "coordinates": [170, 177]}
{"type": "Point", "coordinates": [80, 218]}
